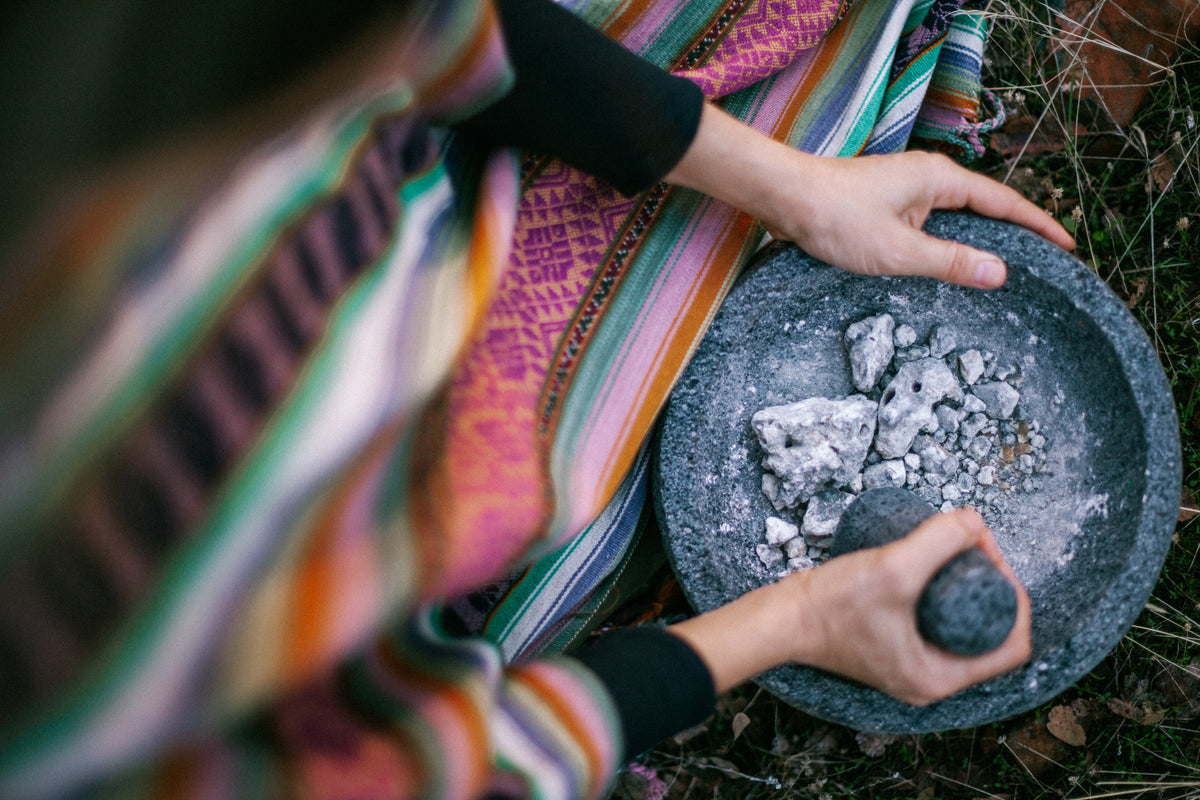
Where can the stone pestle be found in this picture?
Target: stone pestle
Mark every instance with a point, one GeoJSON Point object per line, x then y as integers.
{"type": "Point", "coordinates": [969, 606]}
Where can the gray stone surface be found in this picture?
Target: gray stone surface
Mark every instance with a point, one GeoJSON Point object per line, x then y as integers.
{"type": "Point", "coordinates": [1088, 543]}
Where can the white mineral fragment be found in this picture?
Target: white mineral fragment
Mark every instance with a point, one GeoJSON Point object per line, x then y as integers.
{"type": "Point", "coordinates": [907, 404]}
{"type": "Point", "coordinates": [979, 448]}
{"type": "Point", "coordinates": [905, 336]}
{"type": "Point", "coordinates": [780, 531]}
{"type": "Point", "coordinates": [970, 366]}
{"type": "Point", "coordinates": [822, 516]}
{"type": "Point", "coordinates": [973, 405]}
{"type": "Point", "coordinates": [940, 464]}
{"type": "Point", "coordinates": [813, 443]}
{"type": "Point", "coordinates": [942, 341]}
{"type": "Point", "coordinates": [973, 424]}
{"type": "Point", "coordinates": [870, 344]}
{"type": "Point", "coordinates": [796, 548]}
{"type": "Point", "coordinates": [1000, 398]}
{"type": "Point", "coordinates": [800, 562]}
{"type": "Point", "coordinates": [886, 473]}
{"type": "Point", "coordinates": [770, 557]}
{"type": "Point", "coordinates": [947, 418]}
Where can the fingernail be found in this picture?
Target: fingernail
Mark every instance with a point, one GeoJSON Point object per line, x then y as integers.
{"type": "Point", "coordinates": [988, 273]}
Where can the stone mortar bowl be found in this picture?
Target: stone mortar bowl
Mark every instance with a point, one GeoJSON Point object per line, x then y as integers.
{"type": "Point", "coordinates": [1088, 543]}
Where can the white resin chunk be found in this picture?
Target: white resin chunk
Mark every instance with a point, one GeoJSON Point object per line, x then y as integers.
{"type": "Point", "coordinates": [812, 444]}
{"type": "Point", "coordinates": [822, 516]}
{"type": "Point", "coordinates": [907, 404]}
{"type": "Point", "coordinates": [1000, 398]}
{"type": "Point", "coordinates": [870, 344]}
{"type": "Point", "coordinates": [780, 531]}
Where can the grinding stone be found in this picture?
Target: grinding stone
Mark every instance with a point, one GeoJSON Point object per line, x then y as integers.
{"type": "Point", "coordinates": [1088, 544]}
{"type": "Point", "coordinates": [969, 607]}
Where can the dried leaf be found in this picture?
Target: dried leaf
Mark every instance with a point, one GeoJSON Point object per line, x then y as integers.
{"type": "Point", "coordinates": [1139, 289]}
{"type": "Point", "coordinates": [1065, 727]}
{"type": "Point", "coordinates": [1187, 506]}
{"type": "Point", "coordinates": [1142, 716]}
{"type": "Point", "coordinates": [1162, 170]}
{"type": "Point", "coordinates": [1036, 748]}
{"type": "Point", "coordinates": [740, 721]}
{"type": "Point", "coordinates": [1126, 46]}
{"type": "Point", "coordinates": [1024, 135]}
{"type": "Point", "coordinates": [874, 745]}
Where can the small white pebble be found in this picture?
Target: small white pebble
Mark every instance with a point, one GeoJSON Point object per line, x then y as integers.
{"type": "Point", "coordinates": [780, 531]}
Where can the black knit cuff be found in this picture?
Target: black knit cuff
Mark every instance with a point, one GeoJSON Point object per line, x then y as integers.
{"type": "Point", "coordinates": [584, 98]}
{"type": "Point", "coordinates": [657, 682]}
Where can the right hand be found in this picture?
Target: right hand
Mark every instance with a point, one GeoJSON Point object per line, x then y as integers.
{"type": "Point", "coordinates": [864, 606]}
{"type": "Point", "coordinates": [856, 615]}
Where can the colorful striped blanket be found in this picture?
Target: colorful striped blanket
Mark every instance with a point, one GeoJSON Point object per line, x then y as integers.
{"type": "Point", "coordinates": [256, 426]}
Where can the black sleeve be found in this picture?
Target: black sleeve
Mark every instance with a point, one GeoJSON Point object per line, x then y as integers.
{"type": "Point", "coordinates": [584, 98]}
{"type": "Point", "coordinates": [657, 682]}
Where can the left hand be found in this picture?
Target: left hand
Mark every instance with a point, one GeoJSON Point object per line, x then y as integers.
{"type": "Point", "coordinates": [861, 214]}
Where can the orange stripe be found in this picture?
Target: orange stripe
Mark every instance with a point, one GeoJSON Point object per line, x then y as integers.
{"type": "Point", "coordinates": [578, 732]}
{"type": "Point", "coordinates": [826, 54]}
{"type": "Point", "coordinates": [618, 24]}
{"type": "Point", "coordinates": [471, 56]}
{"type": "Point", "coordinates": [307, 644]}
{"type": "Point", "coordinates": [674, 354]}
{"type": "Point", "coordinates": [472, 722]}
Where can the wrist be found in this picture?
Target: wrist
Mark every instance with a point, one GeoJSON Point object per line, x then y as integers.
{"type": "Point", "coordinates": [760, 630]}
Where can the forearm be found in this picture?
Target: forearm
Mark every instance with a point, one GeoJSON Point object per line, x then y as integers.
{"type": "Point", "coordinates": [735, 163]}
{"type": "Point", "coordinates": [752, 634]}
{"type": "Point", "coordinates": [861, 214]}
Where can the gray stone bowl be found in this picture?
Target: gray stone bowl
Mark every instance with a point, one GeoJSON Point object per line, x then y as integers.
{"type": "Point", "coordinates": [1088, 543]}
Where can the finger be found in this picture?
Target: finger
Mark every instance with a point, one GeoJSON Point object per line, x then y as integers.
{"type": "Point", "coordinates": [939, 539]}
{"type": "Point", "coordinates": [993, 199]}
{"type": "Point", "coordinates": [921, 254]}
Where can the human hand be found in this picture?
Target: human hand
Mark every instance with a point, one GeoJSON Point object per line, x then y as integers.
{"type": "Point", "coordinates": [856, 615]}
{"type": "Point", "coordinates": [861, 214]}
{"type": "Point", "coordinates": [865, 612]}
{"type": "Point", "coordinates": [865, 215]}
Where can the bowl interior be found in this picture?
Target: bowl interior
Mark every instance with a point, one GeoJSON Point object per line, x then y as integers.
{"type": "Point", "coordinates": [1079, 541]}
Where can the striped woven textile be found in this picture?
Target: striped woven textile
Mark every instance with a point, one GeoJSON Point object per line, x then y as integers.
{"type": "Point", "coordinates": [888, 73]}
{"type": "Point", "coordinates": [257, 423]}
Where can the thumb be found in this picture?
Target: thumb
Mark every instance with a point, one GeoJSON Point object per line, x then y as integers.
{"type": "Point", "coordinates": [938, 539]}
{"type": "Point", "coordinates": [951, 262]}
